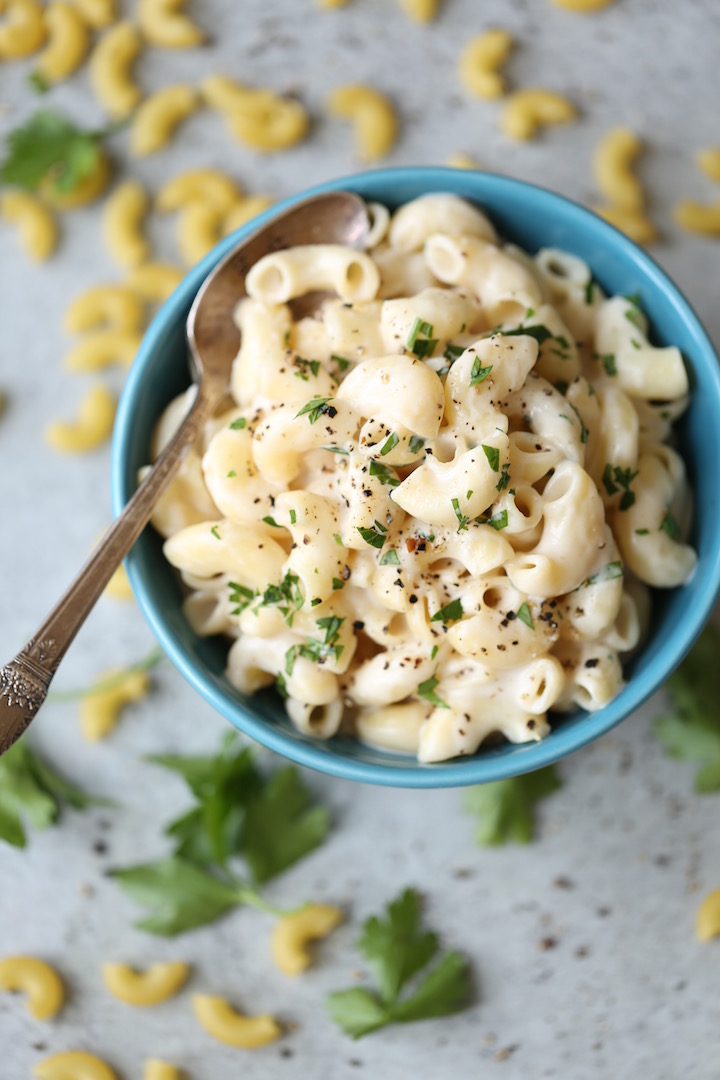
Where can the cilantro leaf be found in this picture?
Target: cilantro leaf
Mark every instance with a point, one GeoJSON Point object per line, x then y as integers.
{"type": "Point", "coordinates": [397, 948]}
{"type": "Point", "coordinates": [31, 789]}
{"type": "Point", "coordinates": [48, 145]}
{"type": "Point", "coordinates": [692, 730]}
{"type": "Point", "coordinates": [281, 825]}
{"type": "Point", "coordinates": [505, 807]}
{"type": "Point", "coordinates": [180, 895]}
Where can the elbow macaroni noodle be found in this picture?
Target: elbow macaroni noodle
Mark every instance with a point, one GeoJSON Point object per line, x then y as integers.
{"type": "Point", "coordinates": [479, 62]}
{"type": "Point", "coordinates": [164, 24]}
{"type": "Point", "coordinates": [221, 1020]}
{"type": "Point", "coordinates": [123, 216]}
{"type": "Point", "coordinates": [372, 114]}
{"type": "Point", "coordinates": [527, 110]}
{"type": "Point", "coordinates": [42, 984]}
{"type": "Point", "coordinates": [68, 42]}
{"type": "Point", "coordinates": [293, 934]}
{"type": "Point", "coordinates": [35, 222]}
{"type": "Point", "coordinates": [157, 117]}
{"type": "Point", "coordinates": [73, 1065]}
{"type": "Point", "coordinates": [94, 424]}
{"type": "Point", "coordinates": [426, 510]}
{"type": "Point", "coordinates": [23, 29]}
{"type": "Point", "coordinates": [110, 64]}
{"type": "Point", "coordinates": [145, 988]}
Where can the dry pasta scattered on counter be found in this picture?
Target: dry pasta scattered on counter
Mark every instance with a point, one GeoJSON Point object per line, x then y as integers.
{"type": "Point", "coordinates": [431, 513]}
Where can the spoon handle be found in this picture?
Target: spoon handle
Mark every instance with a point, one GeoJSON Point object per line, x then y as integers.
{"type": "Point", "coordinates": [24, 682]}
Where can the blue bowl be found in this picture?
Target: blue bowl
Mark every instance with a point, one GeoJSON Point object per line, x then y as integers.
{"type": "Point", "coordinates": [532, 218]}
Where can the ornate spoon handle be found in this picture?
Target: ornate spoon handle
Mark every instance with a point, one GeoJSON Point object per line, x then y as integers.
{"type": "Point", "coordinates": [24, 682]}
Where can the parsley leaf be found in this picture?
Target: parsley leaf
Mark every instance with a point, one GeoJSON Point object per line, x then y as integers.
{"type": "Point", "coordinates": [450, 613]}
{"type": "Point", "coordinates": [525, 615]}
{"type": "Point", "coordinates": [614, 478]}
{"type": "Point", "coordinates": [493, 456]}
{"type": "Point", "coordinates": [478, 373]}
{"type": "Point", "coordinates": [31, 789]}
{"type": "Point", "coordinates": [375, 536]}
{"type": "Point", "coordinates": [606, 573]}
{"type": "Point", "coordinates": [238, 812]}
{"type": "Point", "coordinates": [50, 146]}
{"type": "Point", "coordinates": [540, 333]}
{"type": "Point", "coordinates": [426, 690]}
{"type": "Point", "coordinates": [390, 558]}
{"type": "Point", "coordinates": [397, 948]}
{"type": "Point", "coordinates": [504, 480]}
{"type": "Point", "coordinates": [424, 346]}
{"type": "Point", "coordinates": [384, 474]}
{"type": "Point", "coordinates": [315, 408]}
{"type": "Point", "coordinates": [180, 895]}
{"type": "Point", "coordinates": [282, 826]}
{"type": "Point", "coordinates": [389, 444]}
{"type": "Point", "coordinates": [463, 519]}
{"type": "Point", "coordinates": [241, 596]}
{"type": "Point", "coordinates": [505, 807]}
{"type": "Point", "coordinates": [341, 362]}
{"type": "Point", "coordinates": [316, 650]}
{"type": "Point", "coordinates": [608, 362]}
{"type": "Point", "coordinates": [239, 424]}
{"type": "Point", "coordinates": [692, 730]}
{"type": "Point", "coordinates": [416, 444]}
{"type": "Point", "coordinates": [670, 526]}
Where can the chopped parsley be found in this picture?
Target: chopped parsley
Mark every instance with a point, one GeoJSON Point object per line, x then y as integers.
{"type": "Point", "coordinates": [318, 650]}
{"type": "Point", "coordinates": [239, 424]}
{"type": "Point", "coordinates": [416, 444]}
{"type": "Point", "coordinates": [670, 526]}
{"type": "Point", "coordinates": [540, 333]}
{"type": "Point", "coordinates": [498, 522]}
{"type": "Point", "coordinates": [293, 517]}
{"type": "Point", "coordinates": [642, 532]}
{"type": "Point", "coordinates": [426, 690]}
{"type": "Point", "coordinates": [525, 615]}
{"type": "Point", "coordinates": [215, 532]}
{"type": "Point", "coordinates": [341, 362]}
{"type": "Point", "coordinates": [420, 340]}
{"type": "Point", "coordinates": [231, 474]}
{"type": "Point", "coordinates": [271, 521]}
{"type": "Point", "coordinates": [287, 595]}
{"type": "Point", "coordinates": [389, 444]}
{"type": "Point", "coordinates": [316, 408]}
{"type": "Point", "coordinates": [633, 314]}
{"type": "Point", "coordinates": [614, 478]}
{"type": "Point", "coordinates": [335, 449]}
{"type": "Point", "coordinates": [493, 455]}
{"type": "Point", "coordinates": [583, 430]}
{"type": "Point", "coordinates": [390, 558]}
{"type": "Point", "coordinates": [608, 362]}
{"type": "Point", "coordinates": [241, 596]}
{"type": "Point", "coordinates": [375, 536]}
{"type": "Point", "coordinates": [463, 519]}
{"type": "Point", "coordinates": [478, 373]}
{"type": "Point", "coordinates": [450, 613]}
{"type": "Point", "coordinates": [606, 573]}
{"type": "Point", "coordinates": [562, 386]}
{"type": "Point", "coordinates": [337, 584]}
{"type": "Point", "coordinates": [453, 353]}
{"type": "Point", "coordinates": [384, 474]}
{"type": "Point", "coordinates": [338, 539]}
{"type": "Point", "coordinates": [589, 290]}
{"type": "Point", "coordinates": [304, 365]}
{"type": "Point", "coordinates": [504, 477]}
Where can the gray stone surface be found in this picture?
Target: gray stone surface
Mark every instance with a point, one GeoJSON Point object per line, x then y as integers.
{"type": "Point", "coordinates": [586, 963]}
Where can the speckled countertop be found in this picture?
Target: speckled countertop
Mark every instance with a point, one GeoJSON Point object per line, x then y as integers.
{"type": "Point", "coordinates": [582, 943]}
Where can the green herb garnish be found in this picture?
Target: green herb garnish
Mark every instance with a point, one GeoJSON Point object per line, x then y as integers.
{"type": "Point", "coordinates": [525, 615]}
{"type": "Point", "coordinates": [396, 949]}
{"type": "Point", "coordinates": [505, 808]}
{"type": "Point", "coordinates": [493, 456]}
{"type": "Point", "coordinates": [316, 408]}
{"type": "Point", "coordinates": [450, 613]}
{"type": "Point", "coordinates": [390, 558]}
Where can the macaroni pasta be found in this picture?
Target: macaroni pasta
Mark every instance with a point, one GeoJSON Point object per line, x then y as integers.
{"type": "Point", "coordinates": [430, 510]}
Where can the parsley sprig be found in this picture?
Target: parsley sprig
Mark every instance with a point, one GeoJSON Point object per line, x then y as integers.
{"type": "Point", "coordinates": [318, 650]}
{"type": "Point", "coordinates": [691, 731]}
{"type": "Point", "coordinates": [615, 478]}
{"type": "Point", "coordinates": [317, 407]}
{"type": "Point", "coordinates": [505, 808]}
{"type": "Point", "coordinates": [50, 147]}
{"type": "Point", "coordinates": [31, 791]}
{"type": "Point", "coordinates": [397, 949]}
{"type": "Point", "coordinates": [239, 812]}
{"type": "Point", "coordinates": [420, 340]}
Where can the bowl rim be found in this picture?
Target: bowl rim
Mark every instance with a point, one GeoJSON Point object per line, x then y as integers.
{"type": "Point", "coordinates": [318, 754]}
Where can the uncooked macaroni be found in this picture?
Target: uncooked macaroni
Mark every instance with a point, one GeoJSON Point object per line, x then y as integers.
{"type": "Point", "coordinates": [431, 509]}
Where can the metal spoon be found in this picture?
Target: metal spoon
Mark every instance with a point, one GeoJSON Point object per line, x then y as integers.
{"type": "Point", "coordinates": [337, 217]}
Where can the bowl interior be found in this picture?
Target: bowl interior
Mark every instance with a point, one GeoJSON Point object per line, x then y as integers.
{"type": "Point", "coordinates": [532, 218]}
